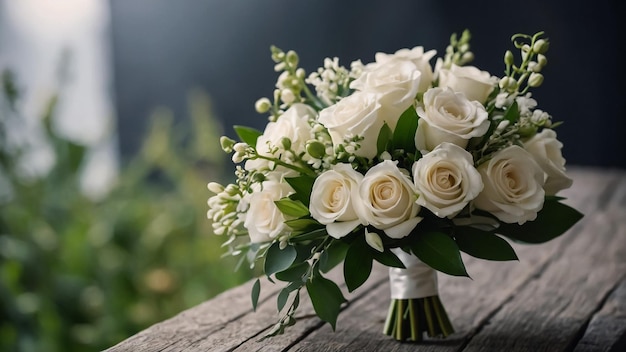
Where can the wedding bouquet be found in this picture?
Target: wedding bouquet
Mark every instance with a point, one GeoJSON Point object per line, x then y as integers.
{"type": "Point", "coordinates": [394, 161]}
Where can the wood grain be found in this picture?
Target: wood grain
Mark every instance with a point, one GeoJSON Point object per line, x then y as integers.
{"type": "Point", "coordinates": [567, 294]}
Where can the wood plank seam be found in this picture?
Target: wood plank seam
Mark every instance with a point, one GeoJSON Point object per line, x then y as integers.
{"type": "Point", "coordinates": [581, 332]}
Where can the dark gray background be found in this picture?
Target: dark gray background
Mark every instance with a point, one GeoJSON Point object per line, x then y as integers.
{"type": "Point", "coordinates": [164, 48]}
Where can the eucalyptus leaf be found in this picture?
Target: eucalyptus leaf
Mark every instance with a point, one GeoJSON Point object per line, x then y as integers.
{"type": "Point", "coordinates": [302, 185]}
{"type": "Point", "coordinates": [294, 273]}
{"type": "Point", "coordinates": [357, 265]}
{"type": "Point", "coordinates": [552, 221]}
{"type": "Point", "coordinates": [384, 138]}
{"type": "Point", "coordinates": [282, 298]}
{"type": "Point", "coordinates": [440, 252]}
{"type": "Point", "coordinates": [247, 134]}
{"type": "Point", "coordinates": [277, 259]}
{"type": "Point", "coordinates": [293, 208]}
{"type": "Point", "coordinates": [326, 298]}
{"type": "Point", "coordinates": [333, 255]}
{"type": "Point", "coordinates": [404, 134]}
{"type": "Point", "coordinates": [256, 292]}
{"type": "Point", "coordinates": [483, 244]}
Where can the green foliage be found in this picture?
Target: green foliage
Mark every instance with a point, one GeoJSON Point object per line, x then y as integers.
{"type": "Point", "coordinates": [326, 298]}
{"type": "Point", "coordinates": [484, 245]}
{"type": "Point", "coordinates": [545, 227]}
{"type": "Point", "coordinates": [439, 251]}
{"type": "Point", "coordinates": [78, 274]}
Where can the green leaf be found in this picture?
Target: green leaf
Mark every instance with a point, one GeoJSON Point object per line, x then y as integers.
{"type": "Point", "coordinates": [282, 298]}
{"type": "Point", "coordinates": [310, 235]}
{"type": "Point", "coordinates": [404, 134]}
{"type": "Point", "coordinates": [256, 291]}
{"type": "Point", "coordinates": [247, 134]}
{"type": "Point", "coordinates": [388, 258]}
{"type": "Point", "coordinates": [293, 208]}
{"type": "Point", "coordinates": [303, 224]}
{"type": "Point", "coordinates": [484, 245]}
{"type": "Point", "coordinates": [358, 264]}
{"type": "Point", "coordinates": [326, 298]}
{"type": "Point", "coordinates": [384, 137]}
{"type": "Point", "coordinates": [552, 221]}
{"type": "Point", "coordinates": [333, 255]}
{"type": "Point", "coordinates": [440, 252]}
{"type": "Point", "coordinates": [302, 185]}
{"type": "Point", "coordinates": [512, 113]}
{"type": "Point", "coordinates": [293, 273]}
{"type": "Point", "coordinates": [277, 259]}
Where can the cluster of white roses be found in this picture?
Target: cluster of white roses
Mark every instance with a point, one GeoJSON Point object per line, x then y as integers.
{"type": "Point", "coordinates": [480, 144]}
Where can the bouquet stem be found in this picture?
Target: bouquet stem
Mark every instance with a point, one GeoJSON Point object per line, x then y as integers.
{"type": "Point", "coordinates": [409, 319]}
{"type": "Point", "coordinates": [415, 305]}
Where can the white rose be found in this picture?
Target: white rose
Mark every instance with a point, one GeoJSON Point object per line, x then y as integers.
{"type": "Point", "coordinates": [446, 180]}
{"type": "Point", "coordinates": [358, 114]}
{"type": "Point", "coordinates": [513, 186]}
{"type": "Point", "coordinates": [474, 83]}
{"type": "Point", "coordinates": [421, 60]}
{"type": "Point", "coordinates": [546, 150]}
{"type": "Point", "coordinates": [334, 197]}
{"type": "Point", "coordinates": [396, 81]}
{"type": "Point", "coordinates": [448, 116]}
{"type": "Point", "coordinates": [388, 200]}
{"type": "Point", "coordinates": [292, 124]}
{"type": "Point", "coordinates": [263, 220]}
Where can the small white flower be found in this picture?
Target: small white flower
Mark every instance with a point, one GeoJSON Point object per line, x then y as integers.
{"type": "Point", "coordinates": [263, 220]}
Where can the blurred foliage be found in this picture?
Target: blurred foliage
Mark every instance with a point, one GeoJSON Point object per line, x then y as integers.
{"type": "Point", "coordinates": [78, 274]}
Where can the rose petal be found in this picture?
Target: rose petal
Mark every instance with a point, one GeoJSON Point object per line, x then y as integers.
{"type": "Point", "coordinates": [403, 229]}
{"type": "Point", "coordinates": [341, 228]}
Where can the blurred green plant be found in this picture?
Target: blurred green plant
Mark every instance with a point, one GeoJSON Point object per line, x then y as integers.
{"type": "Point", "coordinates": [78, 274]}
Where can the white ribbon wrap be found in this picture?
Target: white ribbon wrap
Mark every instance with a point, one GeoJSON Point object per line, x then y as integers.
{"type": "Point", "coordinates": [418, 280]}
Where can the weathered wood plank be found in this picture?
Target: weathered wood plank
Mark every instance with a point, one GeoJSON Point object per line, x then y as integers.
{"type": "Point", "coordinates": [551, 311]}
{"type": "Point", "coordinates": [607, 329]}
{"type": "Point", "coordinates": [226, 323]}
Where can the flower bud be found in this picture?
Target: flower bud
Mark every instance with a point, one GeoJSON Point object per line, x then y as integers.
{"type": "Point", "coordinates": [541, 46]}
{"type": "Point", "coordinates": [542, 60]}
{"type": "Point", "coordinates": [535, 79]}
{"type": "Point", "coordinates": [262, 105]}
{"type": "Point", "coordinates": [287, 96]}
{"type": "Point", "coordinates": [292, 58]}
{"type": "Point", "coordinates": [285, 143]}
{"type": "Point", "coordinates": [527, 130]}
{"type": "Point", "coordinates": [215, 187]}
{"type": "Point", "coordinates": [533, 66]}
{"type": "Point", "coordinates": [315, 149]}
{"type": "Point", "coordinates": [240, 147]}
{"type": "Point", "coordinates": [231, 190]}
{"type": "Point", "coordinates": [227, 144]}
{"type": "Point", "coordinates": [509, 58]}
{"type": "Point", "coordinates": [300, 73]}
{"type": "Point", "coordinates": [467, 56]}
{"type": "Point", "coordinates": [505, 82]}
{"type": "Point", "coordinates": [502, 125]}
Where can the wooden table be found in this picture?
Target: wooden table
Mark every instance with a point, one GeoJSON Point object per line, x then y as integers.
{"type": "Point", "coordinates": [565, 295]}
